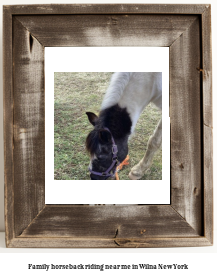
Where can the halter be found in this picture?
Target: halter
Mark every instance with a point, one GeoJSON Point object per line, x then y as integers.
{"type": "Point", "coordinates": [115, 161]}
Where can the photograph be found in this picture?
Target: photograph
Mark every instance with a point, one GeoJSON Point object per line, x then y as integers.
{"type": "Point", "coordinates": [107, 125]}
{"type": "Point", "coordinates": [107, 121]}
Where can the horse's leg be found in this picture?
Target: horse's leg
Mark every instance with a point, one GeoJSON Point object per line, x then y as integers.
{"type": "Point", "coordinates": [154, 144]}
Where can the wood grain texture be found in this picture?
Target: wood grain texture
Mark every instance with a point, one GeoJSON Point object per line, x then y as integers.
{"type": "Point", "coordinates": [8, 125]}
{"type": "Point", "coordinates": [207, 122]}
{"type": "Point", "coordinates": [185, 113]}
{"type": "Point", "coordinates": [107, 30]}
{"type": "Point", "coordinates": [29, 139]}
{"type": "Point", "coordinates": [207, 67]}
{"type": "Point", "coordinates": [109, 222]}
{"type": "Point", "coordinates": [62, 242]}
{"type": "Point", "coordinates": [208, 182]}
{"type": "Point", "coordinates": [106, 9]}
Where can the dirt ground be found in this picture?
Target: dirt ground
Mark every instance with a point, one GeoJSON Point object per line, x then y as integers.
{"type": "Point", "coordinates": [75, 94]}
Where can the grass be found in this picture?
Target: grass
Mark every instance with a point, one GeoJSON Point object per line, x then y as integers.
{"type": "Point", "coordinates": [75, 94]}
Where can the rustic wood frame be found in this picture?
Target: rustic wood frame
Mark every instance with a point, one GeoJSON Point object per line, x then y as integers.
{"type": "Point", "coordinates": [188, 220]}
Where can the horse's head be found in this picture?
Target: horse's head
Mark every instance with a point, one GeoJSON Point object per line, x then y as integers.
{"type": "Point", "coordinates": [105, 151]}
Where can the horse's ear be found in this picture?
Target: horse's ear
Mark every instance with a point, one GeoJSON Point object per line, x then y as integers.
{"type": "Point", "coordinates": [92, 118]}
{"type": "Point", "coordinates": [104, 136]}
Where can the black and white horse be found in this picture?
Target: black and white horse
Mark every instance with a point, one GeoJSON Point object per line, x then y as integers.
{"type": "Point", "coordinates": [127, 96]}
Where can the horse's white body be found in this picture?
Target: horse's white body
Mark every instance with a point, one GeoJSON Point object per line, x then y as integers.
{"type": "Point", "coordinates": [134, 91]}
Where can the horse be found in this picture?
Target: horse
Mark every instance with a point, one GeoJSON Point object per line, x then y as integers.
{"type": "Point", "coordinates": [127, 96]}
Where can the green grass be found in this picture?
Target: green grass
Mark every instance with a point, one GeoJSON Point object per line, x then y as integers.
{"type": "Point", "coordinates": [75, 94]}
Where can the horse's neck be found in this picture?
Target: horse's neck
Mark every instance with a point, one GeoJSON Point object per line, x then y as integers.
{"type": "Point", "coordinates": [117, 119]}
{"type": "Point", "coordinates": [134, 109]}
{"type": "Point", "coordinates": [134, 104]}
{"type": "Point", "coordinates": [133, 91]}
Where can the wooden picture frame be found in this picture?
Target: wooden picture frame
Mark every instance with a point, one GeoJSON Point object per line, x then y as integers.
{"type": "Point", "coordinates": [186, 30]}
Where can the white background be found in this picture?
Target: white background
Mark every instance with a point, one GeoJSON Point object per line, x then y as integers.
{"type": "Point", "coordinates": [202, 260]}
{"type": "Point", "coordinates": [95, 59]}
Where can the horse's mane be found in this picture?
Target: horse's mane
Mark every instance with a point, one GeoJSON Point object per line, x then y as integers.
{"type": "Point", "coordinates": [92, 142]}
{"type": "Point", "coordinates": [118, 83]}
